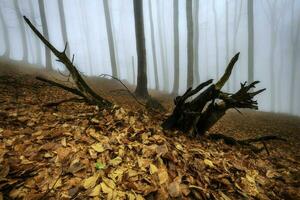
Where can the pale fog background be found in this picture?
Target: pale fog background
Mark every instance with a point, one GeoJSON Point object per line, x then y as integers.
{"type": "Point", "coordinates": [276, 41]}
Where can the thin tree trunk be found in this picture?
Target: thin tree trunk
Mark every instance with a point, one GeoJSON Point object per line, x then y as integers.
{"type": "Point", "coordinates": [153, 47]}
{"type": "Point", "coordinates": [227, 38]}
{"type": "Point", "coordinates": [141, 88]}
{"type": "Point", "coordinates": [237, 19]}
{"type": "Point", "coordinates": [295, 42]}
{"type": "Point", "coordinates": [196, 64]}
{"type": "Point", "coordinates": [63, 23]}
{"type": "Point", "coordinates": [22, 31]}
{"type": "Point", "coordinates": [176, 47]}
{"type": "Point", "coordinates": [110, 39]}
{"type": "Point", "coordinates": [133, 70]}
{"type": "Point", "coordinates": [250, 42]}
{"type": "Point", "coordinates": [5, 35]}
{"type": "Point", "coordinates": [36, 41]}
{"type": "Point", "coordinates": [48, 62]}
{"type": "Point", "coordinates": [216, 39]}
{"type": "Point", "coordinates": [162, 49]}
{"type": "Point", "coordinates": [190, 47]}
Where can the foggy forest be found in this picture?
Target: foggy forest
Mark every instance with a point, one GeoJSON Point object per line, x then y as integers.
{"type": "Point", "coordinates": [149, 99]}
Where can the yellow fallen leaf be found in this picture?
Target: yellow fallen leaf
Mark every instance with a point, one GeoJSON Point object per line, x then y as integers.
{"type": "Point", "coordinates": [56, 184]}
{"type": "Point", "coordinates": [116, 161]}
{"type": "Point", "coordinates": [179, 147]}
{"type": "Point", "coordinates": [90, 182]}
{"type": "Point", "coordinates": [110, 183]}
{"type": "Point", "coordinates": [105, 188]}
{"type": "Point", "coordinates": [98, 147]}
{"type": "Point", "coordinates": [153, 169]}
{"type": "Point", "coordinates": [209, 163]}
{"type": "Point", "coordinates": [139, 197]}
{"type": "Point", "coordinates": [130, 196]}
{"type": "Point", "coordinates": [96, 191]}
{"type": "Point", "coordinates": [224, 196]}
{"type": "Point", "coordinates": [163, 176]}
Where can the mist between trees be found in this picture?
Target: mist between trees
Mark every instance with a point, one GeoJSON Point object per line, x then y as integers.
{"type": "Point", "coordinates": [187, 41]}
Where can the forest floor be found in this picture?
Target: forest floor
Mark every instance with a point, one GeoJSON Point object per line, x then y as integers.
{"type": "Point", "coordinates": [75, 151]}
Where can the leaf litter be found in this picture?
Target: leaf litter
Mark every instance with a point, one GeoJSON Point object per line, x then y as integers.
{"type": "Point", "coordinates": [76, 152]}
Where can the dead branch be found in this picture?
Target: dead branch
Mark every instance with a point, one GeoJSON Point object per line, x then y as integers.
{"type": "Point", "coordinates": [82, 86]}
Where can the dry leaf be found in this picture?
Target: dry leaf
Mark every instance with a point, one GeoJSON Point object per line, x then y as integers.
{"type": "Point", "coordinates": [90, 182]}
{"type": "Point", "coordinates": [98, 147]}
{"type": "Point", "coordinates": [96, 191]}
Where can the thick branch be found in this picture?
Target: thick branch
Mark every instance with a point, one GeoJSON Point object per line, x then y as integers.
{"type": "Point", "coordinates": [79, 81]}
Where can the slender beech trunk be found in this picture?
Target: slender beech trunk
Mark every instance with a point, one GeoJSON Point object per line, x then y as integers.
{"type": "Point", "coordinates": [196, 64]}
{"type": "Point", "coordinates": [5, 35]}
{"type": "Point", "coordinates": [141, 88]}
{"type": "Point", "coordinates": [190, 46]}
{"type": "Point", "coordinates": [133, 69]}
{"type": "Point", "coordinates": [163, 55]}
{"type": "Point", "coordinates": [22, 31]}
{"type": "Point", "coordinates": [295, 43]}
{"type": "Point", "coordinates": [35, 39]}
{"type": "Point", "coordinates": [153, 47]}
{"type": "Point", "coordinates": [227, 38]}
{"type": "Point", "coordinates": [216, 38]}
{"type": "Point", "coordinates": [176, 47]}
{"type": "Point", "coordinates": [48, 62]}
{"type": "Point", "coordinates": [250, 42]}
{"type": "Point", "coordinates": [110, 39]}
{"type": "Point", "coordinates": [237, 19]}
{"type": "Point", "coordinates": [63, 24]}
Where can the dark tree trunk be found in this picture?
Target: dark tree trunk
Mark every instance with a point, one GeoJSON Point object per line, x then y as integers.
{"type": "Point", "coordinates": [63, 23]}
{"type": "Point", "coordinates": [48, 62]}
{"type": "Point", "coordinates": [190, 46]}
{"type": "Point", "coordinates": [176, 47]}
{"type": "Point", "coordinates": [5, 35]}
{"type": "Point", "coordinates": [250, 42]}
{"type": "Point", "coordinates": [153, 47]}
{"type": "Point", "coordinates": [196, 64]}
{"type": "Point", "coordinates": [110, 39]}
{"type": "Point", "coordinates": [141, 88]}
{"type": "Point", "coordinates": [22, 31]}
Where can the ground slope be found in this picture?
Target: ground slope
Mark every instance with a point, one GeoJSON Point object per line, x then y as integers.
{"type": "Point", "coordinates": [73, 151]}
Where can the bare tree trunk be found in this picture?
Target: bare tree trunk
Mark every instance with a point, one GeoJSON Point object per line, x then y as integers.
{"type": "Point", "coordinates": [22, 30]}
{"type": "Point", "coordinates": [190, 47]}
{"type": "Point", "coordinates": [295, 42]}
{"type": "Point", "coordinates": [227, 37]}
{"type": "Point", "coordinates": [237, 19]}
{"type": "Point", "coordinates": [216, 38]}
{"type": "Point", "coordinates": [133, 69]}
{"type": "Point", "coordinates": [63, 23]}
{"type": "Point", "coordinates": [153, 47]}
{"type": "Point", "coordinates": [176, 47]}
{"type": "Point", "coordinates": [36, 41]}
{"type": "Point", "coordinates": [162, 50]}
{"type": "Point", "coordinates": [141, 88]}
{"type": "Point", "coordinates": [85, 29]}
{"type": "Point", "coordinates": [196, 64]}
{"type": "Point", "coordinates": [5, 35]}
{"type": "Point", "coordinates": [250, 42]}
{"type": "Point", "coordinates": [48, 62]}
{"type": "Point", "coordinates": [110, 39]}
